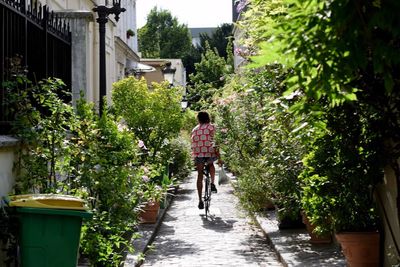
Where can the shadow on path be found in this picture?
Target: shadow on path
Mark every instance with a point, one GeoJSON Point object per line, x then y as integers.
{"type": "Point", "coordinates": [183, 195]}
{"type": "Point", "coordinates": [216, 223]}
{"type": "Point", "coordinates": [168, 247]}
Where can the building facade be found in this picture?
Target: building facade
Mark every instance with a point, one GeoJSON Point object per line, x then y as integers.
{"type": "Point", "coordinates": [121, 54]}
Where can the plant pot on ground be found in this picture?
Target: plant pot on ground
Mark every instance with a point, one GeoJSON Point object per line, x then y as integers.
{"type": "Point", "coordinates": [149, 213]}
{"type": "Point", "coordinates": [289, 218]}
{"type": "Point", "coordinates": [290, 223]}
{"type": "Point", "coordinates": [340, 175]}
{"type": "Point", "coordinates": [269, 205]}
{"type": "Point", "coordinates": [315, 238]}
{"type": "Point", "coordinates": [361, 249]}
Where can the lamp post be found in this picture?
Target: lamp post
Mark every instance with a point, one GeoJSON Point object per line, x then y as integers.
{"type": "Point", "coordinates": [103, 12]}
{"type": "Point", "coordinates": [184, 103]}
{"type": "Point", "coordinates": [169, 73]}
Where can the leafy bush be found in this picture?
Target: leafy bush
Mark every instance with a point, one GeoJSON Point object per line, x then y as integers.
{"type": "Point", "coordinates": [84, 155]}
{"type": "Point", "coordinates": [43, 121]}
{"type": "Point", "coordinates": [354, 83]}
{"type": "Point", "coordinates": [153, 115]}
{"type": "Point", "coordinates": [181, 160]}
{"type": "Point", "coordinates": [342, 171]}
{"type": "Point", "coordinates": [208, 79]}
{"type": "Point", "coordinates": [260, 142]}
{"type": "Point", "coordinates": [105, 171]}
{"type": "Point", "coordinates": [189, 122]}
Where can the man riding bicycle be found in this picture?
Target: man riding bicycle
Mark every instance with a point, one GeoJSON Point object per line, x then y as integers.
{"type": "Point", "coordinates": [204, 151]}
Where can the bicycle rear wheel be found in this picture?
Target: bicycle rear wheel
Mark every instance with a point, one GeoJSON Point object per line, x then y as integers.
{"type": "Point", "coordinates": [207, 196]}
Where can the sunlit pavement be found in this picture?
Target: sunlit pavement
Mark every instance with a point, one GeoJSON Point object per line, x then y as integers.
{"type": "Point", "coordinates": [228, 238]}
{"type": "Point", "coordinates": [184, 237]}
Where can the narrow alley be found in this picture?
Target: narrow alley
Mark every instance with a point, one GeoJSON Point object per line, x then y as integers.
{"type": "Point", "coordinates": [228, 238]}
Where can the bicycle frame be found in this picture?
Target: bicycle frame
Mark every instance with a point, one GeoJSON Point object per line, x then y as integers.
{"type": "Point", "coordinates": [207, 189]}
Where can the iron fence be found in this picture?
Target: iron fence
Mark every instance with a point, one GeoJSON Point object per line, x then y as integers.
{"type": "Point", "coordinates": [35, 38]}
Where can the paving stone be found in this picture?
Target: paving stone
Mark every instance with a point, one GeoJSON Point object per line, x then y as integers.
{"type": "Point", "coordinates": [294, 249]}
{"type": "Point", "coordinates": [228, 238]}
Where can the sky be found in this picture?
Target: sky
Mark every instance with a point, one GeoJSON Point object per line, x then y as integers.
{"type": "Point", "coordinates": [193, 13]}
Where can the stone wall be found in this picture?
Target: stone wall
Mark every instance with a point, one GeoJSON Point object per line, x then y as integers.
{"type": "Point", "coordinates": [7, 156]}
{"type": "Point", "coordinates": [8, 146]}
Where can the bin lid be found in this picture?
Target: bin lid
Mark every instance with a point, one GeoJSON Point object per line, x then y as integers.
{"type": "Point", "coordinates": [49, 201]}
{"type": "Point", "coordinates": [58, 212]}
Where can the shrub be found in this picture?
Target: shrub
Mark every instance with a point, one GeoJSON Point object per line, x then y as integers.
{"type": "Point", "coordinates": [181, 161]}
{"type": "Point", "coordinates": [83, 155]}
{"type": "Point", "coordinates": [104, 169]}
{"type": "Point", "coordinates": [42, 123]}
{"type": "Point", "coordinates": [154, 116]}
{"type": "Point", "coordinates": [259, 139]}
{"type": "Point", "coordinates": [342, 171]}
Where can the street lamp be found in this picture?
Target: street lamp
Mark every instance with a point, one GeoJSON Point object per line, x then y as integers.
{"type": "Point", "coordinates": [103, 12]}
{"type": "Point", "coordinates": [169, 73]}
{"type": "Point", "coordinates": [184, 103]}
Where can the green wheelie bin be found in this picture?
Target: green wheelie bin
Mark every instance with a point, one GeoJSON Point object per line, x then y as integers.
{"type": "Point", "coordinates": [50, 227]}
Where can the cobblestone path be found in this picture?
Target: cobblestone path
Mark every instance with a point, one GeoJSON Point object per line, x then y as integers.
{"type": "Point", "coordinates": [228, 238]}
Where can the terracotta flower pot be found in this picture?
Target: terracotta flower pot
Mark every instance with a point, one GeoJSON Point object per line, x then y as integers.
{"type": "Point", "coordinates": [150, 213]}
{"type": "Point", "coordinates": [361, 249]}
{"type": "Point", "coordinates": [315, 238]}
{"type": "Point", "coordinates": [269, 205]}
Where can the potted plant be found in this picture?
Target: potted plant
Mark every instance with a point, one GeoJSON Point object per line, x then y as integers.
{"type": "Point", "coordinates": [315, 237]}
{"type": "Point", "coordinates": [152, 193]}
{"type": "Point", "coordinates": [130, 33]}
{"type": "Point", "coordinates": [340, 175]}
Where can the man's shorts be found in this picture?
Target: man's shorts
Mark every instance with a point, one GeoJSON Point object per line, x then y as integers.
{"type": "Point", "coordinates": [198, 160]}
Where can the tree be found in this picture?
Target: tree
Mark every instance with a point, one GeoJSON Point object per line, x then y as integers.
{"type": "Point", "coordinates": [208, 79]}
{"type": "Point", "coordinates": [335, 48]}
{"type": "Point", "coordinates": [154, 116]}
{"type": "Point", "coordinates": [193, 57]}
{"type": "Point", "coordinates": [163, 36]}
{"type": "Point", "coordinates": [345, 61]}
{"type": "Point", "coordinates": [219, 40]}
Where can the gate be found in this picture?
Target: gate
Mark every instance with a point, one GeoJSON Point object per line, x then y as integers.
{"type": "Point", "coordinates": [36, 37]}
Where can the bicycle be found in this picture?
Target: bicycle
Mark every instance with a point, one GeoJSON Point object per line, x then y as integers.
{"type": "Point", "coordinates": [207, 189]}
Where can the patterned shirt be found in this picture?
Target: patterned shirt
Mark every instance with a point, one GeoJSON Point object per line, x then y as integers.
{"type": "Point", "coordinates": [203, 141]}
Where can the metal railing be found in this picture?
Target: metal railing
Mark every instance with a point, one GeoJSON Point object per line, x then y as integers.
{"type": "Point", "coordinates": [39, 38]}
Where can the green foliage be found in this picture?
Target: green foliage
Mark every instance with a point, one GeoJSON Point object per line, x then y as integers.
{"type": "Point", "coordinates": [210, 69]}
{"type": "Point", "coordinates": [130, 33]}
{"type": "Point", "coordinates": [154, 116]}
{"type": "Point", "coordinates": [189, 60]}
{"type": "Point", "coordinates": [344, 59]}
{"type": "Point", "coordinates": [163, 36]}
{"type": "Point", "coordinates": [332, 46]}
{"type": "Point", "coordinates": [218, 40]}
{"type": "Point", "coordinates": [8, 235]}
{"type": "Point", "coordinates": [189, 121]}
{"type": "Point", "coordinates": [94, 158]}
{"type": "Point", "coordinates": [104, 241]}
{"type": "Point", "coordinates": [105, 163]}
{"type": "Point", "coordinates": [342, 170]}
{"type": "Point", "coordinates": [209, 78]}
{"type": "Point", "coordinates": [181, 160]}
{"type": "Point", "coordinates": [258, 24]}
{"type": "Point", "coordinates": [257, 135]}
{"type": "Point", "coordinates": [42, 122]}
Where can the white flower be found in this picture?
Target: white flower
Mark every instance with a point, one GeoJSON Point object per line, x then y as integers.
{"type": "Point", "coordinates": [145, 178]}
{"type": "Point", "coordinates": [142, 145]}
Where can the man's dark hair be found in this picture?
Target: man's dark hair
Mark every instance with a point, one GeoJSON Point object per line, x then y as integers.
{"type": "Point", "coordinates": [203, 117]}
